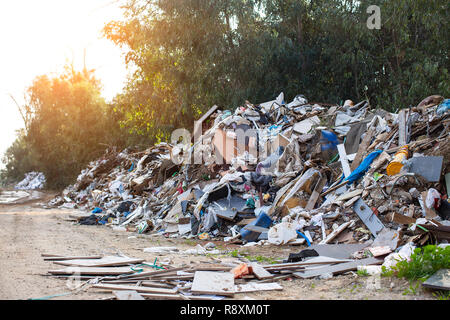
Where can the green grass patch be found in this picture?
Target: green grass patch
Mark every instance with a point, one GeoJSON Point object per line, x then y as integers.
{"type": "Point", "coordinates": [424, 262]}
{"type": "Point", "coordinates": [362, 273]}
{"type": "Point", "coordinates": [236, 254]}
{"type": "Point", "coordinates": [442, 295]}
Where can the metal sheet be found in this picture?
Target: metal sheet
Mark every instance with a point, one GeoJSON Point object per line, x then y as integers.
{"type": "Point", "coordinates": [429, 167]}
{"type": "Point", "coordinates": [368, 217]}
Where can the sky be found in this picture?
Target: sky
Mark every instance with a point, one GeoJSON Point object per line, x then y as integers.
{"type": "Point", "coordinates": [40, 37]}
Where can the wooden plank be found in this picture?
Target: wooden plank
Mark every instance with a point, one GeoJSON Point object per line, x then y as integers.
{"type": "Point", "coordinates": [245, 222]}
{"type": "Point", "coordinates": [61, 258]}
{"type": "Point", "coordinates": [349, 195]}
{"type": "Point", "coordinates": [93, 270]}
{"type": "Point", "coordinates": [400, 218]}
{"type": "Point", "coordinates": [277, 278]}
{"type": "Point", "coordinates": [208, 113]}
{"type": "Point", "coordinates": [331, 189]}
{"type": "Point", "coordinates": [402, 127]}
{"type": "Point", "coordinates": [159, 296]}
{"type": "Point", "coordinates": [113, 287]}
{"type": "Point", "coordinates": [255, 287]}
{"type": "Point", "coordinates": [362, 148]}
{"type": "Point", "coordinates": [154, 284]}
{"type": "Point", "coordinates": [146, 274]}
{"type": "Point", "coordinates": [338, 268]}
{"type": "Point", "coordinates": [177, 277]}
{"type": "Point", "coordinates": [212, 268]}
{"type": "Point", "coordinates": [312, 261]}
{"type": "Point", "coordinates": [128, 295]}
{"type": "Point", "coordinates": [107, 261]}
{"type": "Point", "coordinates": [343, 159]}
{"type": "Point", "coordinates": [156, 296]}
{"type": "Point", "coordinates": [315, 194]}
{"type": "Point", "coordinates": [260, 272]}
{"type": "Point", "coordinates": [212, 282]}
{"type": "Point", "coordinates": [333, 234]}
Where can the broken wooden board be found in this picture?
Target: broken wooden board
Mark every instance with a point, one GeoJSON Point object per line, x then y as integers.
{"type": "Point", "coordinates": [316, 193]}
{"type": "Point", "coordinates": [155, 284]}
{"type": "Point", "coordinates": [333, 234]}
{"type": "Point", "coordinates": [255, 287]}
{"type": "Point", "coordinates": [114, 287]}
{"type": "Point", "coordinates": [345, 237]}
{"type": "Point", "coordinates": [320, 260]}
{"type": "Point", "coordinates": [244, 222]}
{"type": "Point", "coordinates": [107, 261]}
{"type": "Point", "coordinates": [362, 148]}
{"type": "Point", "coordinates": [188, 277]}
{"type": "Point", "coordinates": [400, 218]}
{"type": "Point", "coordinates": [260, 272]}
{"type": "Point", "coordinates": [127, 295]}
{"type": "Point", "coordinates": [212, 268]}
{"type": "Point", "coordinates": [211, 282]}
{"type": "Point", "coordinates": [440, 280]}
{"type": "Point", "coordinates": [349, 195]}
{"type": "Point", "coordinates": [338, 268]}
{"type": "Point", "coordinates": [93, 270]}
{"type": "Point", "coordinates": [149, 274]}
{"type": "Point", "coordinates": [440, 232]}
{"type": "Point", "coordinates": [160, 296]}
{"type": "Point", "coordinates": [368, 217]}
{"type": "Point", "coordinates": [61, 258]}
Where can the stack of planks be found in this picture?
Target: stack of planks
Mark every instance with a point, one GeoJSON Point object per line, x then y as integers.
{"type": "Point", "coordinates": [126, 280]}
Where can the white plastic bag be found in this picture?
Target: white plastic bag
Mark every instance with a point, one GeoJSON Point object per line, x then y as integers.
{"type": "Point", "coordinates": [282, 233]}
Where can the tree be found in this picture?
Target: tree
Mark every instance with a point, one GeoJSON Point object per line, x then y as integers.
{"type": "Point", "coordinates": [70, 125]}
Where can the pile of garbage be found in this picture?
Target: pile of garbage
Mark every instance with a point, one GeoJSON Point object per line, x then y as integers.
{"type": "Point", "coordinates": [284, 173]}
{"type": "Point", "coordinates": [33, 180]}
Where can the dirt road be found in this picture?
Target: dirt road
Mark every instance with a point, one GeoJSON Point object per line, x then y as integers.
{"type": "Point", "coordinates": [27, 231]}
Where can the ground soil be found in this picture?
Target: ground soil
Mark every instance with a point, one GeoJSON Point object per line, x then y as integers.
{"type": "Point", "coordinates": [27, 230]}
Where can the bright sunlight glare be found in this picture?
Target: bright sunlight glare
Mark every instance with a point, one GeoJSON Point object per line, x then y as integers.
{"type": "Point", "coordinates": [40, 37]}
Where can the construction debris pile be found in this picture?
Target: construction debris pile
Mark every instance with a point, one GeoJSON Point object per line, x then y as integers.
{"type": "Point", "coordinates": [33, 180]}
{"type": "Point", "coordinates": [329, 174]}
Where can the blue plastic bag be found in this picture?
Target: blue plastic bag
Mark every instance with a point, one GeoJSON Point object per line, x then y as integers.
{"type": "Point", "coordinates": [443, 107]}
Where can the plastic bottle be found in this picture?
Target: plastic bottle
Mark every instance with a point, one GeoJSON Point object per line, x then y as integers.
{"type": "Point", "coordinates": [396, 164]}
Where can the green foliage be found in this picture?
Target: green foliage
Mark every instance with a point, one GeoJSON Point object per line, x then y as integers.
{"type": "Point", "coordinates": [424, 262]}
{"type": "Point", "coordinates": [412, 290]}
{"type": "Point", "coordinates": [442, 295]}
{"type": "Point", "coordinates": [70, 125]}
{"type": "Point", "coordinates": [191, 54]}
{"type": "Point", "coordinates": [362, 273]}
{"type": "Point", "coordinates": [386, 272]}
